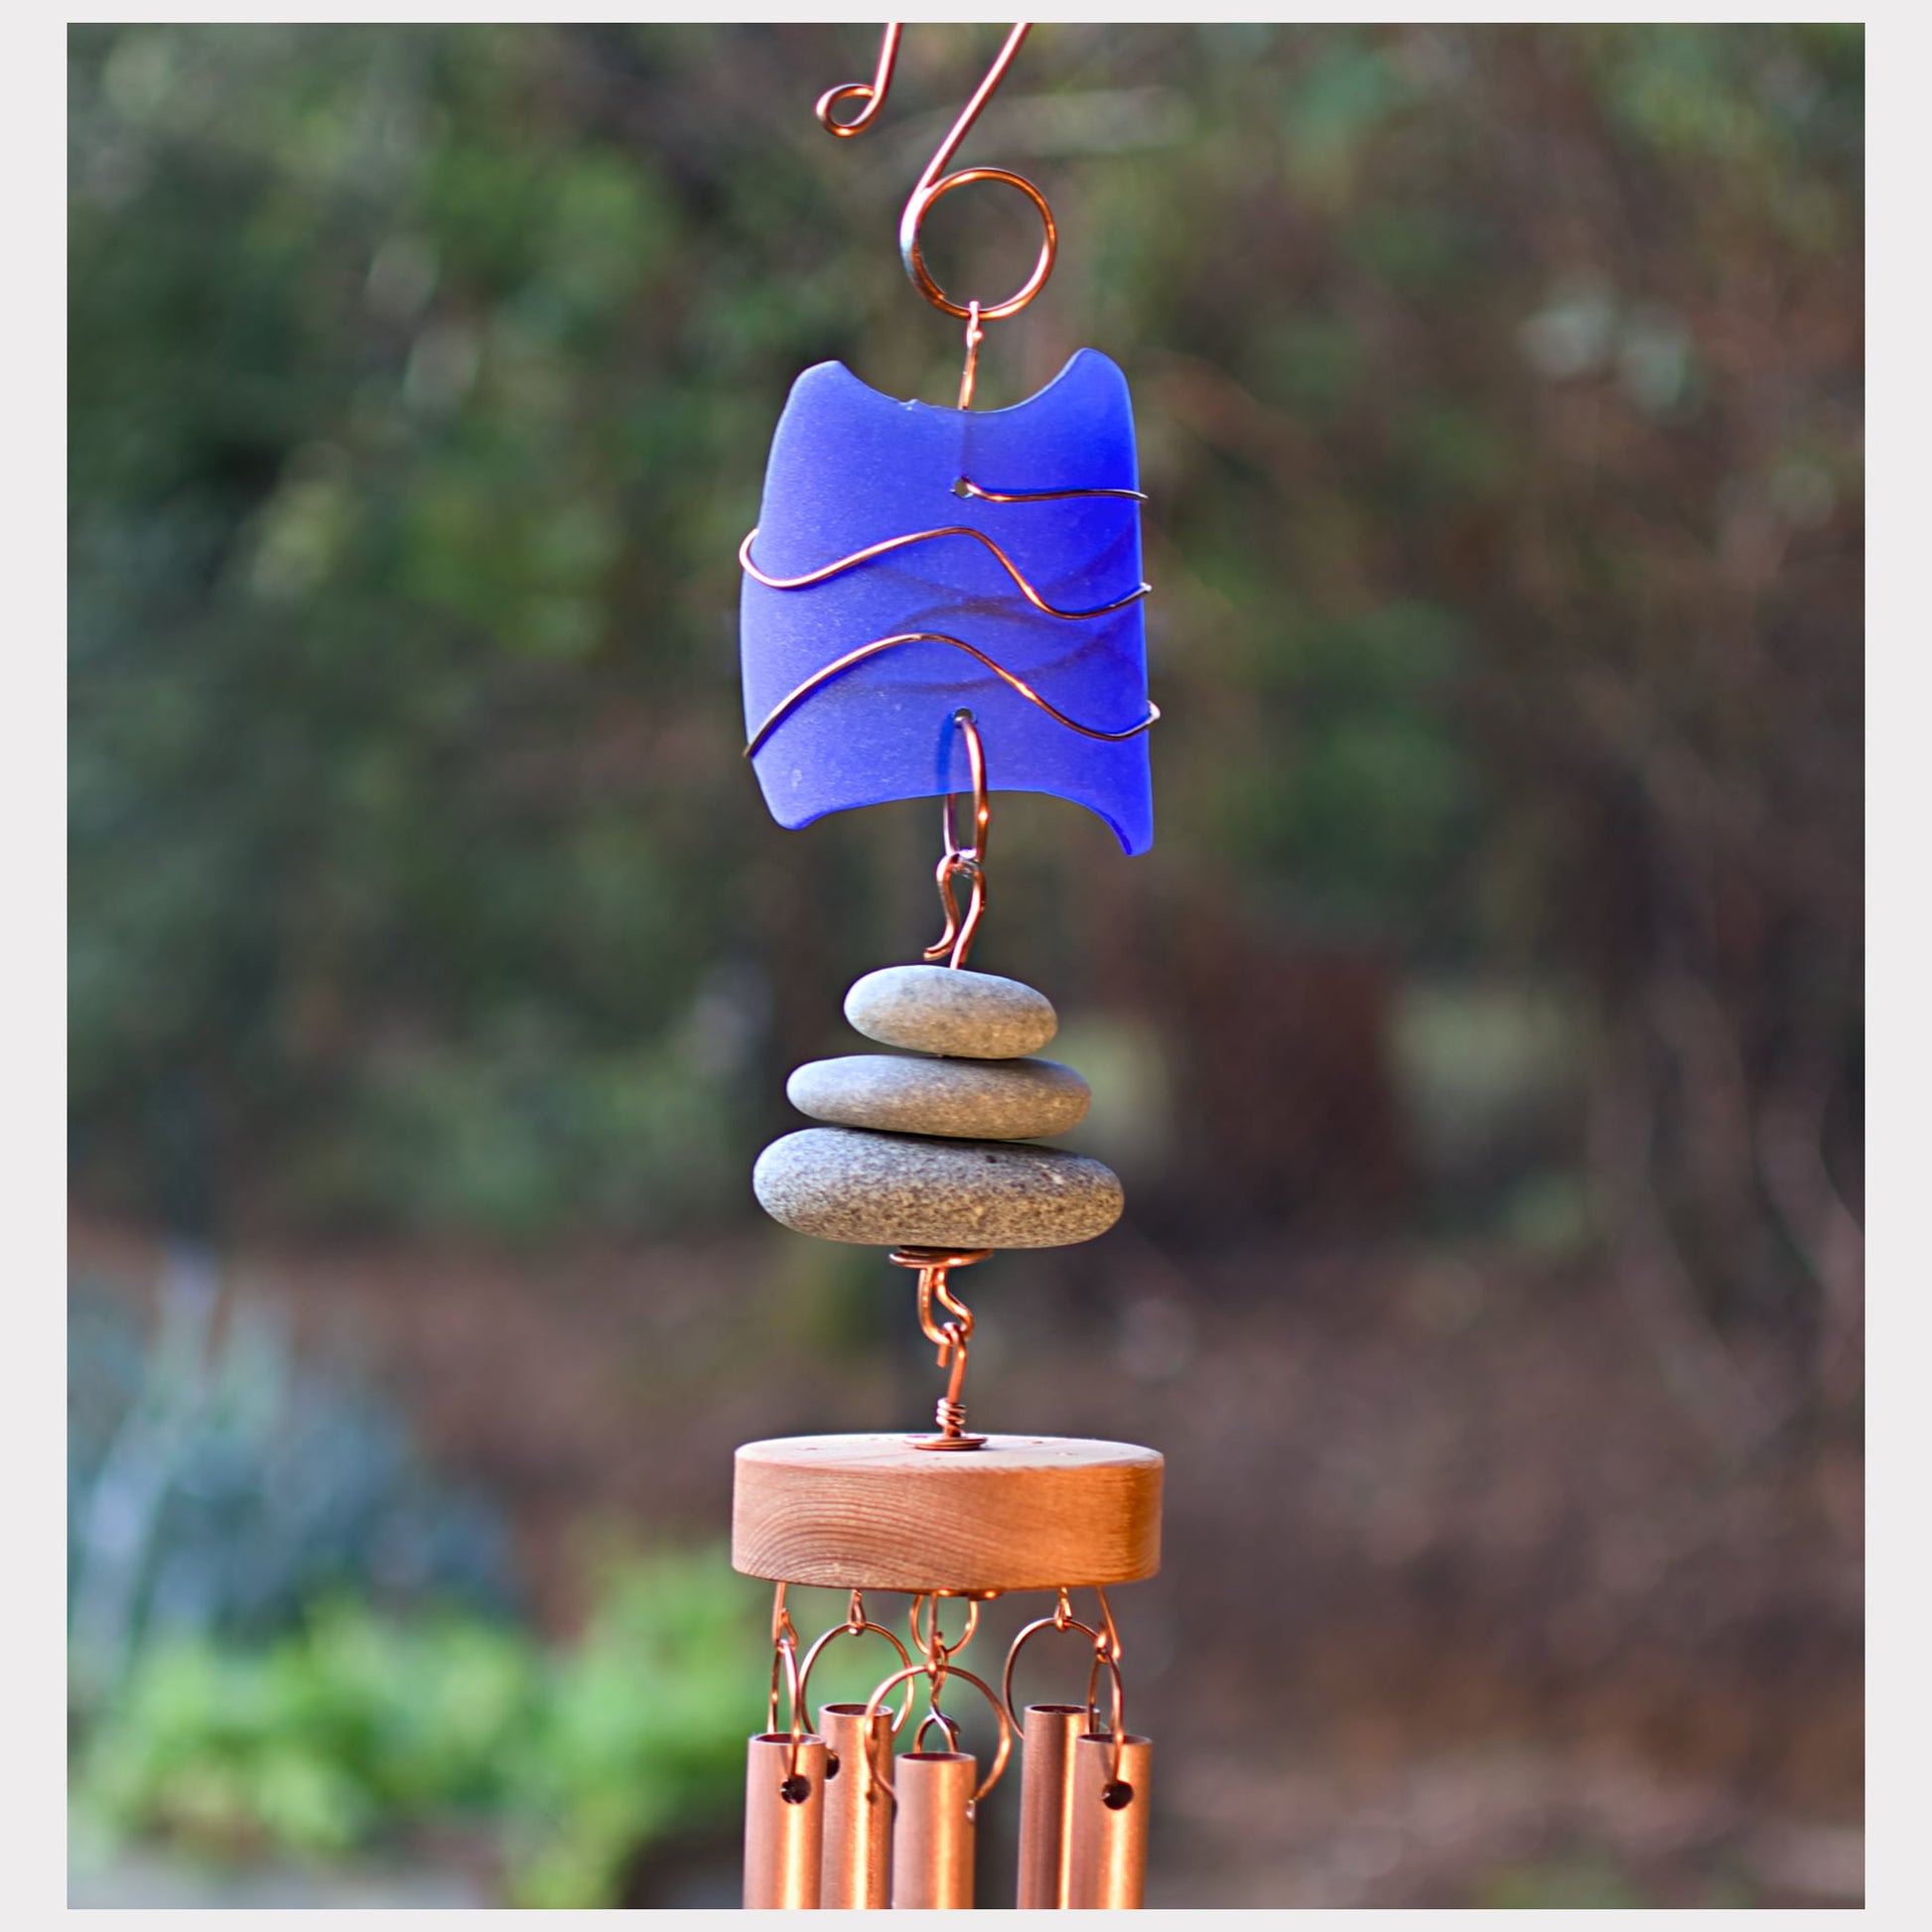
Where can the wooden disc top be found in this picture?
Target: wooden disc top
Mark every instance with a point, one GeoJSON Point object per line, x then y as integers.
{"type": "Point", "coordinates": [872, 1512]}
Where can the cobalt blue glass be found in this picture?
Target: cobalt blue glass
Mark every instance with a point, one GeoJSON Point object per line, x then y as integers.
{"type": "Point", "coordinates": [851, 467]}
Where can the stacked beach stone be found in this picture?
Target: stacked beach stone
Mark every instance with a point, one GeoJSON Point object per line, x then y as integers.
{"type": "Point", "coordinates": [934, 1147]}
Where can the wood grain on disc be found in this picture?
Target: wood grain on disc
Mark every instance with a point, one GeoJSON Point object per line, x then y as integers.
{"type": "Point", "coordinates": [872, 1512]}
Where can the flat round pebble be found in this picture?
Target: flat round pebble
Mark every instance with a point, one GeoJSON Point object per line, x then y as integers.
{"type": "Point", "coordinates": [892, 1190]}
{"type": "Point", "coordinates": [972, 1100]}
{"type": "Point", "coordinates": [946, 1010]}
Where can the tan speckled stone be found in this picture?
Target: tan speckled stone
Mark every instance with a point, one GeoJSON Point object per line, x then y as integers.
{"type": "Point", "coordinates": [893, 1190]}
{"type": "Point", "coordinates": [972, 1100]}
{"type": "Point", "coordinates": [938, 1009]}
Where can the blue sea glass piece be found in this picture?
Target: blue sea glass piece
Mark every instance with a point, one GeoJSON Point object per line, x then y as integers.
{"type": "Point", "coordinates": [851, 467]}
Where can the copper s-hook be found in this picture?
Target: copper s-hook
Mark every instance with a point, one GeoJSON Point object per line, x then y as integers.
{"type": "Point", "coordinates": [934, 184]}
{"type": "Point", "coordinates": [949, 1336]}
{"type": "Point", "coordinates": [963, 860]}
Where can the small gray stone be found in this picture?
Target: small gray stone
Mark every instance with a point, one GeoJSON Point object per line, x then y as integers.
{"type": "Point", "coordinates": [941, 1010]}
{"type": "Point", "coordinates": [972, 1100]}
{"type": "Point", "coordinates": [892, 1190]}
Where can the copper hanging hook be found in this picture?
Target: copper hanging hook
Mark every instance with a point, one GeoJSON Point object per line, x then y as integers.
{"type": "Point", "coordinates": [873, 93]}
{"type": "Point", "coordinates": [949, 1336]}
{"type": "Point", "coordinates": [934, 184]}
{"type": "Point", "coordinates": [966, 862]}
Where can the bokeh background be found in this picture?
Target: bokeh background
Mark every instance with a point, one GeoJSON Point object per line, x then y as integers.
{"type": "Point", "coordinates": [1481, 1045]}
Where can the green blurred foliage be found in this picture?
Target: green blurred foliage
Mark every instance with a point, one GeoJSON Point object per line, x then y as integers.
{"type": "Point", "coordinates": [1500, 393]}
{"type": "Point", "coordinates": [218, 1487]}
{"type": "Point", "coordinates": [361, 1728]}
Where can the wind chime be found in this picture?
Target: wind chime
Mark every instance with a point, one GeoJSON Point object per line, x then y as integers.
{"type": "Point", "coordinates": [939, 602]}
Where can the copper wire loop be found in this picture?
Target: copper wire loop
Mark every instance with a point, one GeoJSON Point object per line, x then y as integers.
{"type": "Point", "coordinates": [856, 1624]}
{"type": "Point", "coordinates": [937, 1257]}
{"type": "Point", "coordinates": [928, 1642]}
{"type": "Point", "coordinates": [1058, 1621]}
{"type": "Point", "coordinates": [1106, 1651]}
{"type": "Point", "coordinates": [948, 1725]}
{"type": "Point", "coordinates": [933, 184]}
{"type": "Point", "coordinates": [827, 672]}
{"type": "Point", "coordinates": [944, 1672]}
{"type": "Point", "coordinates": [827, 572]}
{"type": "Point", "coordinates": [873, 93]}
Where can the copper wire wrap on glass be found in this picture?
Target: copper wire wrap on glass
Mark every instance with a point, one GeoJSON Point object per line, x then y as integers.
{"type": "Point", "coordinates": [1024, 584]}
{"type": "Point", "coordinates": [784, 1821]}
{"type": "Point", "coordinates": [839, 666]}
{"type": "Point", "coordinates": [965, 487]}
{"type": "Point", "coordinates": [1046, 1737]}
{"type": "Point", "coordinates": [932, 1834]}
{"type": "Point", "coordinates": [857, 1836]}
{"type": "Point", "coordinates": [1106, 1853]}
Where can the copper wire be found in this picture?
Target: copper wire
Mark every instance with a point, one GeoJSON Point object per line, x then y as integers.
{"type": "Point", "coordinates": [1061, 1618]}
{"type": "Point", "coordinates": [1106, 1655]}
{"type": "Point", "coordinates": [969, 376]}
{"type": "Point", "coordinates": [873, 95]}
{"type": "Point", "coordinates": [784, 1664]}
{"type": "Point", "coordinates": [966, 862]}
{"type": "Point", "coordinates": [826, 572]}
{"type": "Point", "coordinates": [965, 487]}
{"type": "Point", "coordinates": [927, 1638]}
{"type": "Point", "coordinates": [856, 1624]}
{"type": "Point", "coordinates": [933, 184]}
{"type": "Point", "coordinates": [950, 1338]}
{"type": "Point", "coordinates": [839, 666]}
{"type": "Point", "coordinates": [946, 1672]}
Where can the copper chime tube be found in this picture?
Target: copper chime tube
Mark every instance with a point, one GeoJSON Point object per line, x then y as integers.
{"type": "Point", "coordinates": [858, 1814]}
{"type": "Point", "coordinates": [932, 1837]}
{"type": "Point", "coordinates": [1045, 1794]}
{"type": "Point", "coordinates": [784, 1822]}
{"type": "Point", "coordinates": [1106, 1863]}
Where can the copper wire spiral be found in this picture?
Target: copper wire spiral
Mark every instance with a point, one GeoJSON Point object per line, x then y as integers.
{"type": "Point", "coordinates": [934, 184]}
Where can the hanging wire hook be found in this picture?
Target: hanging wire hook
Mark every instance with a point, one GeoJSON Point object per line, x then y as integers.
{"type": "Point", "coordinates": [934, 184]}
{"type": "Point", "coordinates": [949, 1338]}
{"type": "Point", "coordinates": [873, 93]}
{"type": "Point", "coordinates": [966, 862]}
